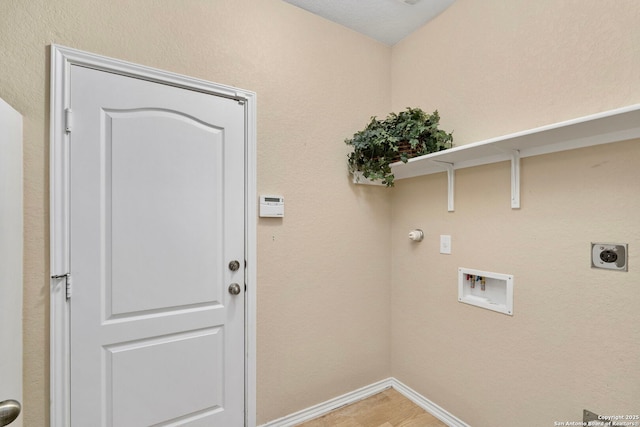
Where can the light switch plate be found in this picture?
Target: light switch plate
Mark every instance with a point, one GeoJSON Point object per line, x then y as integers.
{"type": "Point", "coordinates": [445, 244]}
{"type": "Point", "coordinates": [610, 256]}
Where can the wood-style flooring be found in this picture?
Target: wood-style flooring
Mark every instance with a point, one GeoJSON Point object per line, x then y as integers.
{"type": "Point", "coordinates": [386, 409]}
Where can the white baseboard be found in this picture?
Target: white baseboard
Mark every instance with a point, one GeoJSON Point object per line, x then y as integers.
{"type": "Point", "coordinates": [330, 405]}
{"type": "Point", "coordinates": [362, 393]}
{"type": "Point", "coordinates": [435, 410]}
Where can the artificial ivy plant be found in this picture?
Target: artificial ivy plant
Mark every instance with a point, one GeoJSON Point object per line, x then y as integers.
{"type": "Point", "coordinates": [399, 137]}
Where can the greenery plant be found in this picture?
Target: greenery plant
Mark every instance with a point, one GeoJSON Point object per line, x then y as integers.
{"type": "Point", "coordinates": [399, 137]}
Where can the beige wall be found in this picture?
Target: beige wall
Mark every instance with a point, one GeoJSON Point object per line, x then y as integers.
{"type": "Point", "coordinates": [492, 68]}
{"type": "Point", "coordinates": [323, 313]}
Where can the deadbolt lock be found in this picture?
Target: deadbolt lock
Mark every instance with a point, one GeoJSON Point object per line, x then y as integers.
{"type": "Point", "coordinates": [234, 265]}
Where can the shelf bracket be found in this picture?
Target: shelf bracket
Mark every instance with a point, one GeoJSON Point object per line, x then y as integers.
{"type": "Point", "coordinates": [450, 182]}
{"type": "Point", "coordinates": [515, 179]}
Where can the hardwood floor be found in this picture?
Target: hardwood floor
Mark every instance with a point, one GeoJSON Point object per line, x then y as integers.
{"type": "Point", "coordinates": [386, 409]}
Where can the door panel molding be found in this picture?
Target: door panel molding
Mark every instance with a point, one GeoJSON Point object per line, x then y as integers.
{"type": "Point", "coordinates": [60, 124]}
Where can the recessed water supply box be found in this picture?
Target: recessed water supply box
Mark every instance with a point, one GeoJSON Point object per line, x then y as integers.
{"type": "Point", "coordinates": [493, 291]}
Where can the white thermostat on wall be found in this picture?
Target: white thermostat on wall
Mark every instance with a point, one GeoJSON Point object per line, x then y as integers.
{"type": "Point", "coordinates": [272, 206]}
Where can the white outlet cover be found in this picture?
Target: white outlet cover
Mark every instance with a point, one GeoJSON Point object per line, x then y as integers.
{"type": "Point", "coordinates": [601, 252]}
{"type": "Point", "coordinates": [445, 244]}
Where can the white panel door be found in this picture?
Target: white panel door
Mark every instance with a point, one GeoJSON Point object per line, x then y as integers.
{"type": "Point", "coordinates": [157, 214]}
{"type": "Point", "coordinates": [10, 264]}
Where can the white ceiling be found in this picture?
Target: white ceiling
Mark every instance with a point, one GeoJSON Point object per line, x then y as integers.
{"type": "Point", "coordinates": [387, 21]}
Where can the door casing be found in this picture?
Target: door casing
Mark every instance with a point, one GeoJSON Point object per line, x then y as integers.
{"type": "Point", "coordinates": [61, 117]}
{"type": "Point", "coordinates": [11, 260]}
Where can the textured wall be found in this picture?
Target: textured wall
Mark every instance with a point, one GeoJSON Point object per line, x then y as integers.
{"type": "Point", "coordinates": [496, 67]}
{"type": "Point", "coordinates": [323, 313]}
{"type": "Point", "coordinates": [492, 68]}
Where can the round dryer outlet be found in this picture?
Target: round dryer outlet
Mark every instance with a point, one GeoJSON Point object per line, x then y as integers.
{"type": "Point", "coordinates": [610, 256]}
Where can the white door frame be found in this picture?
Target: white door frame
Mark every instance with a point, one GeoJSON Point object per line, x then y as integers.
{"type": "Point", "coordinates": [11, 259]}
{"type": "Point", "coordinates": [61, 60]}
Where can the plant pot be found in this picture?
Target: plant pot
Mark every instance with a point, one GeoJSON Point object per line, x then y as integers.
{"type": "Point", "coordinates": [404, 147]}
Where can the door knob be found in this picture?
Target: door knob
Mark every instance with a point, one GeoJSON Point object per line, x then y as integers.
{"type": "Point", "coordinates": [9, 411]}
{"type": "Point", "coordinates": [234, 289]}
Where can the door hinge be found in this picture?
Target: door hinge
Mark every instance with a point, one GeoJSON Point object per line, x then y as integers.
{"type": "Point", "coordinates": [240, 97]}
{"type": "Point", "coordinates": [68, 120]}
{"type": "Point", "coordinates": [67, 283]}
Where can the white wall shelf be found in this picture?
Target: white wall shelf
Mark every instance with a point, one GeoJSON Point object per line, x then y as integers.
{"type": "Point", "coordinates": [610, 126]}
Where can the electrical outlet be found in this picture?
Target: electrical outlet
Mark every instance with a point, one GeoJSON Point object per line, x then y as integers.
{"type": "Point", "coordinates": [610, 256]}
